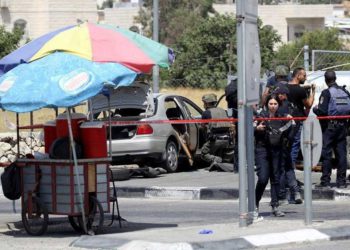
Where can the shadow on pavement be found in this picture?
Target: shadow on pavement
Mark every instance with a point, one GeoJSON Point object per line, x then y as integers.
{"type": "Point", "coordinates": [60, 227]}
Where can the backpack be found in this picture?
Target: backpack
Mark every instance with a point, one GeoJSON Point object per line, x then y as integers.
{"type": "Point", "coordinates": [339, 103]}
{"type": "Point", "coordinates": [11, 182]}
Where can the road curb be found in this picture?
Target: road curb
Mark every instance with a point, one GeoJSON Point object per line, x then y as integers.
{"type": "Point", "coordinates": [306, 235]}
{"type": "Point", "coordinates": [205, 193]}
{"type": "Point", "coordinates": [278, 239]}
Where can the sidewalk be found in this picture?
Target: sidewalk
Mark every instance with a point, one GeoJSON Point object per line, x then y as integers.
{"type": "Point", "coordinates": [204, 185]}
{"type": "Point", "coordinates": [208, 186]}
{"type": "Point", "coordinates": [221, 236]}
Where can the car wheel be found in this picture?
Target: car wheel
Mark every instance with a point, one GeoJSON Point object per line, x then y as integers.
{"type": "Point", "coordinates": [171, 157]}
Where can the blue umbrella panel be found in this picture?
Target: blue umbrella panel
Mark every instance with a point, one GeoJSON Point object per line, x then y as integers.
{"type": "Point", "coordinates": [58, 80]}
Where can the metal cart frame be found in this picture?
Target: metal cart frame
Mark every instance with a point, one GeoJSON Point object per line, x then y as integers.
{"type": "Point", "coordinates": [51, 187]}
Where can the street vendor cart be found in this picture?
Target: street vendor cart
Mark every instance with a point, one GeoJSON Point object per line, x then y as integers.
{"type": "Point", "coordinates": [51, 187]}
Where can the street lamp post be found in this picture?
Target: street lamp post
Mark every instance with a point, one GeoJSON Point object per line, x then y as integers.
{"type": "Point", "coordinates": [156, 38]}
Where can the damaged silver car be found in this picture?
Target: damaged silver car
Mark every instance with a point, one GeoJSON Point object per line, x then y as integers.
{"type": "Point", "coordinates": [152, 144]}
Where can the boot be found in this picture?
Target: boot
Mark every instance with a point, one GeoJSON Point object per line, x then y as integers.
{"type": "Point", "coordinates": [297, 198]}
{"type": "Point", "coordinates": [276, 212]}
{"type": "Point", "coordinates": [256, 216]}
{"type": "Point", "coordinates": [217, 159]}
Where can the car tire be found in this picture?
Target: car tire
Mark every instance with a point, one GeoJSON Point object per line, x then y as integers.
{"type": "Point", "coordinates": [171, 162]}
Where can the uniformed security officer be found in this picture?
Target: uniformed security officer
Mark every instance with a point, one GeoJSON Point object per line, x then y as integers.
{"type": "Point", "coordinates": [281, 78]}
{"type": "Point", "coordinates": [217, 133]}
{"type": "Point", "coordinates": [334, 131]}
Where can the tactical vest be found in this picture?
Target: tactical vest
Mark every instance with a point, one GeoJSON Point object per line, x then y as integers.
{"type": "Point", "coordinates": [339, 103]}
{"type": "Point", "coordinates": [218, 127]}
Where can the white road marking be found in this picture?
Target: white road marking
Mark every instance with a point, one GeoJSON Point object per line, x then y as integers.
{"type": "Point", "coordinates": [144, 245]}
{"type": "Point", "coordinates": [302, 235]}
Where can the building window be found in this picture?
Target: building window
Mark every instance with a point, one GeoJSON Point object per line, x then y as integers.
{"type": "Point", "coordinates": [299, 30]}
{"type": "Point", "coordinates": [20, 24]}
{"type": "Point", "coordinates": [5, 16]}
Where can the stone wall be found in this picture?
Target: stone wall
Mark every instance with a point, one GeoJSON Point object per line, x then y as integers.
{"type": "Point", "coordinates": [121, 17]}
{"type": "Point", "coordinates": [28, 144]}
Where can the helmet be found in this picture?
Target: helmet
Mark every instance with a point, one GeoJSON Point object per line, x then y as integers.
{"type": "Point", "coordinates": [281, 70]}
{"type": "Point", "coordinates": [208, 98]}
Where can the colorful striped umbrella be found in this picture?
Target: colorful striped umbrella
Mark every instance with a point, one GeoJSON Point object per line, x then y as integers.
{"type": "Point", "coordinates": [95, 42]}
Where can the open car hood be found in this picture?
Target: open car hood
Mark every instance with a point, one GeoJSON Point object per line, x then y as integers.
{"type": "Point", "coordinates": [137, 95]}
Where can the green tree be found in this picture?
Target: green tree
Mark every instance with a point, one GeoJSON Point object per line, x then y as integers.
{"type": "Point", "coordinates": [207, 52]}
{"type": "Point", "coordinates": [326, 39]}
{"type": "Point", "coordinates": [174, 17]}
{"type": "Point", "coordinates": [9, 41]}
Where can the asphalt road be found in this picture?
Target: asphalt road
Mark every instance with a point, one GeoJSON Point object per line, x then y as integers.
{"type": "Point", "coordinates": [144, 214]}
{"type": "Point", "coordinates": [182, 212]}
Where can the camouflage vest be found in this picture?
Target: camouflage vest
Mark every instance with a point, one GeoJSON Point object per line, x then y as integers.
{"type": "Point", "coordinates": [218, 127]}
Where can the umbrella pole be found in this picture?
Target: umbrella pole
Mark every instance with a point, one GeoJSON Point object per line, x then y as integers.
{"type": "Point", "coordinates": [76, 167]}
{"type": "Point", "coordinates": [31, 131]}
{"type": "Point", "coordinates": [110, 125]}
{"type": "Point", "coordinates": [18, 154]}
{"type": "Point", "coordinates": [17, 131]}
{"type": "Point", "coordinates": [91, 115]}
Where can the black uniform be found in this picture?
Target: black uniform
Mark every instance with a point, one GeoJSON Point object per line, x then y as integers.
{"type": "Point", "coordinates": [334, 137]}
{"type": "Point", "coordinates": [296, 96]}
{"type": "Point", "coordinates": [288, 177]}
{"type": "Point", "coordinates": [231, 99]}
{"type": "Point", "coordinates": [268, 156]}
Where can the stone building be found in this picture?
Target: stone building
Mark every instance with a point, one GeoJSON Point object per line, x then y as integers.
{"type": "Point", "coordinates": [41, 16]}
{"type": "Point", "coordinates": [290, 20]}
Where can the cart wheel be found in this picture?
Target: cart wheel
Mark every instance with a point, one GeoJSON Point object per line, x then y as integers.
{"type": "Point", "coordinates": [95, 217]}
{"type": "Point", "coordinates": [75, 222]}
{"type": "Point", "coordinates": [35, 220]}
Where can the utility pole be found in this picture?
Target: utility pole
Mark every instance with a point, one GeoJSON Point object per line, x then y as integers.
{"type": "Point", "coordinates": [242, 110]}
{"type": "Point", "coordinates": [156, 38]}
{"type": "Point", "coordinates": [306, 57]}
{"type": "Point", "coordinates": [248, 67]}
